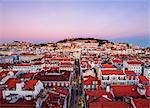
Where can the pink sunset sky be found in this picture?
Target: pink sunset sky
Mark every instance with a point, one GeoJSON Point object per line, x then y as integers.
{"type": "Point", "coordinates": [49, 20]}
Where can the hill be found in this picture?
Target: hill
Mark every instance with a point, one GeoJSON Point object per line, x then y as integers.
{"type": "Point", "coordinates": [86, 40]}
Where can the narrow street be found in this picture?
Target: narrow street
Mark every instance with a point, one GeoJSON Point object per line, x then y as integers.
{"type": "Point", "coordinates": [76, 99]}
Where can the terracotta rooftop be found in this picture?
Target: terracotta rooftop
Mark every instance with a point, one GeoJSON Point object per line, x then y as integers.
{"type": "Point", "coordinates": [66, 63]}
{"type": "Point", "coordinates": [89, 80]}
{"type": "Point", "coordinates": [97, 102]}
{"type": "Point", "coordinates": [29, 85]}
{"type": "Point", "coordinates": [23, 65]}
{"type": "Point", "coordinates": [53, 100]}
{"type": "Point", "coordinates": [19, 104]}
{"type": "Point", "coordinates": [143, 79]}
{"type": "Point", "coordinates": [142, 103]}
{"type": "Point", "coordinates": [112, 72]}
{"type": "Point", "coordinates": [130, 73]}
{"type": "Point", "coordinates": [64, 76]}
{"type": "Point", "coordinates": [62, 58]}
{"type": "Point", "coordinates": [5, 65]}
{"type": "Point", "coordinates": [116, 105]}
{"type": "Point", "coordinates": [55, 68]}
{"type": "Point", "coordinates": [28, 75]}
{"type": "Point", "coordinates": [46, 68]}
{"type": "Point", "coordinates": [11, 82]}
{"type": "Point", "coordinates": [98, 93]}
{"type": "Point", "coordinates": [28, 54]}
{"type": "Point", "coordinates": [3, 74]}
{"type": "Point", "coordinates": [147, 87]}
{"type": "Point", "coordinates": [135, 62]}
{"type": "Point", "coordinates": [125, 91]}
{"type": "Point", "coordinates": [37, 63]}
{"type": "Point", "coordinates": [108, 65]}
{"type": "Point", "coordinates": [60, 90]}
{"type": "Point", "coordinates": [116, 61]}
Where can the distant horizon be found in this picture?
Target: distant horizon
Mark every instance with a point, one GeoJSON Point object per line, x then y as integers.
{"type": "Point", "coordinates": [120, 40]}
{"type": "Point", "coordinates": [48, 20]}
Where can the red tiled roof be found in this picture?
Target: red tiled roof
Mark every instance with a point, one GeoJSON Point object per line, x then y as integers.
{"type": "Point", "coordinates": [62, 58]}
{"type": "Point", "coordinates": [23, 64]}
{"type": "Point", "coordinates": [125, 90]}
{"type": "Point", "coordinates": [131, 77]}
{"type": "Point", "coordinates": [97, 103]}
{"type": "Point", "coordinates": [14, 72]}
{"type": "Point", "coordinates": [134, 62]}
{"type": "Point", "coordinates": [122, 55]}
{"type": "Point", "coordinates": [1, 95]}
{"type": "Point", "coordinates": [28, 54]}
{"type": "Point", "coordinates": [127, 72]}
{"type": "Point", "coordinates": [13, 54]}
{"type": "Point", "coordinates": [116, 105]}
{"type": "Point", "coordinates": [89, 80]}
{"type": "Point", "coordinates": [19, 104]}
{"type": "Point", "coordinates": [3, 74]}
{"type": "Point", "coordinates": [66, 63]}
{"type": "Point", "coordinates": [60, 90]}
{"type": "Point", "coordinates": [111, 72]}
{"type": "Point", "coordinates": [11, 82]}
{"type": "Point", "coordinates": [116, 61]}
{"type": "Point", "coordinates": [46, 56]}
{"type": "Point", "coordinates": [107, 65]}
{"type": "Point", "coordinates": [54, 68]}
{"type": "Point", "coordinates": [44, 77]}
{"type": "Point", "coordinates": [90, 77]}
{"type": "Point", "coordinates": [45, 68]}
{"type": "Point", "coordinates": [57, 58]}
{"type": "Point", "coordinates": [66, 66]}
{"type": "Point", "coordinates": [37, 63]}
{"type": "Point", "coordinates": [5, 65]}
{"type": "Point", "coordinates": [147, 90]}
{"type": "Point", "coordinates": [142, 103]}
{"type": "Point", "coordinates": [96, 93]}
{"type": "Point", "coordinates": [54, 99]}
{"type": "Point", "coordinates": [143, 79]}
{"type": "Point", "coordinates": [29, 85]}
{"type": "Point", "coordinates": [28, 75]}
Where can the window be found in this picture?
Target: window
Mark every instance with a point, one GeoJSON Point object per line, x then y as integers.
{"type": "Point", "coordinates": [113, 78]}
{"type": "Point", "coordinates": [108, 78]}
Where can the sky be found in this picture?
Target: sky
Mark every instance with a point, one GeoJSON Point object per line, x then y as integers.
{"type": "Point", "coordinates": [52, 20]}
